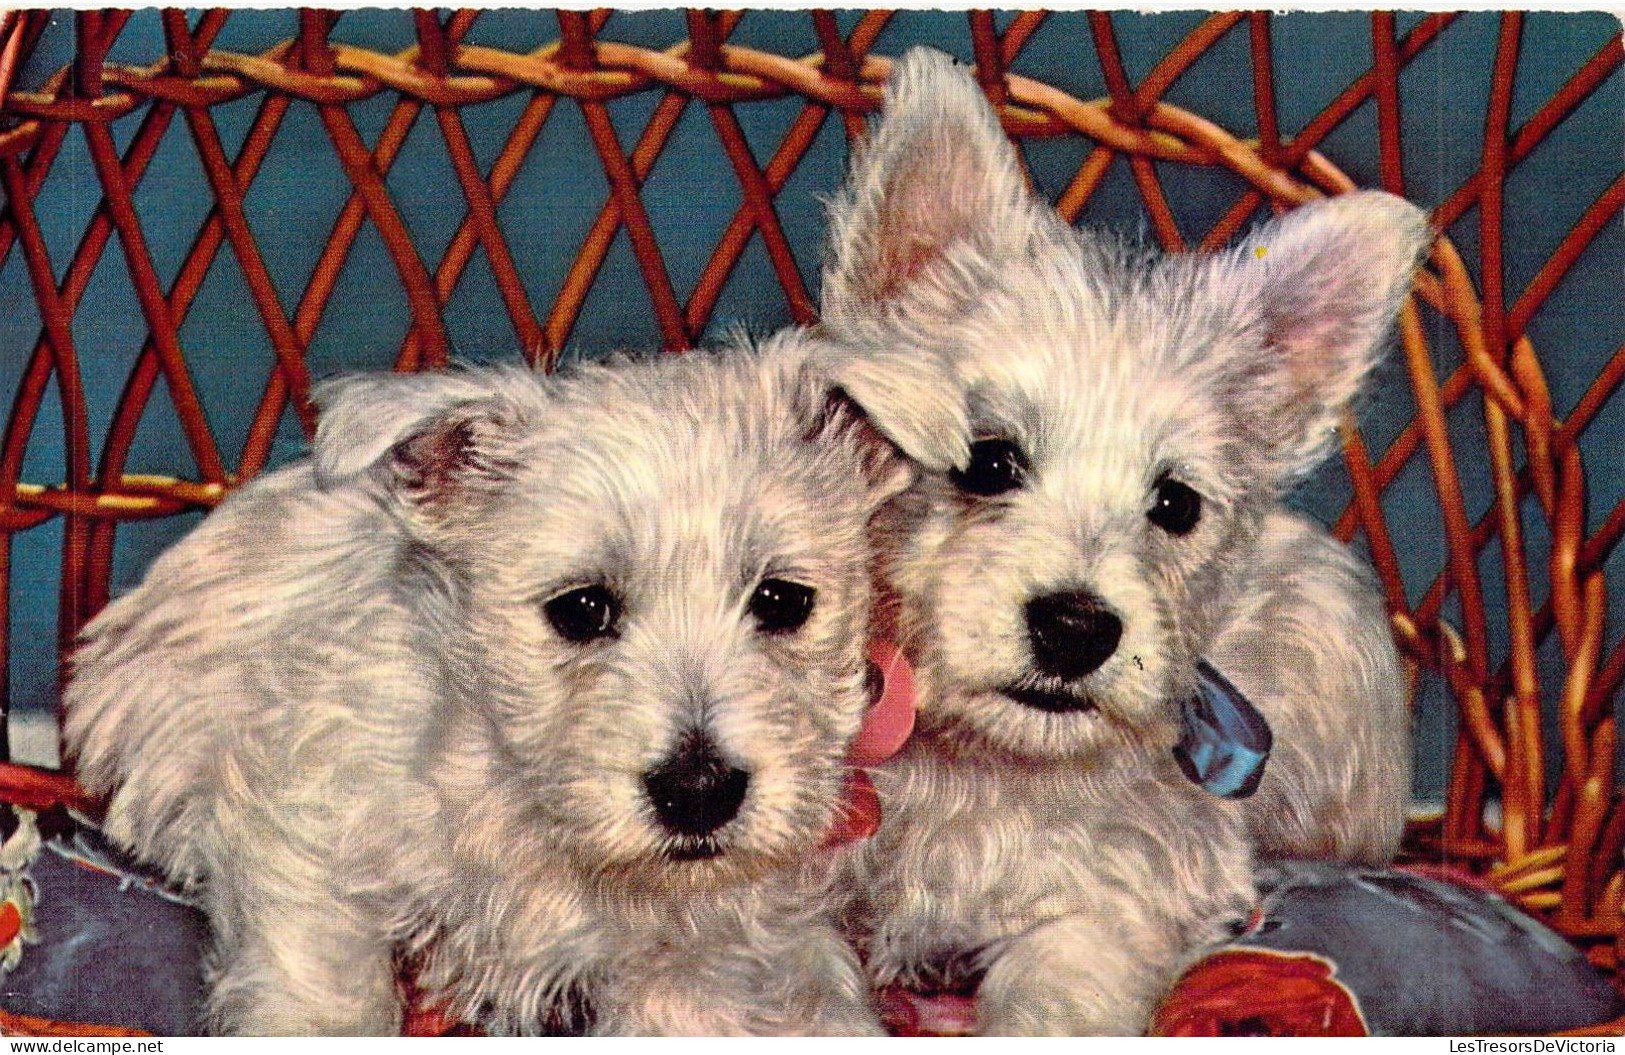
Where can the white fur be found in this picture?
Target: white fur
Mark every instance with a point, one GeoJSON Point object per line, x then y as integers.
{"type": "Point", "coordinates": [1066, 850]}
{"type": "Point", "coordinates": [338, 714]}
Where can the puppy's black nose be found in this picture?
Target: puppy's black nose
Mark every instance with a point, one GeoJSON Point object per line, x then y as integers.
{"type": "Point", "coordinates": [1072, 633]}
{"type": "Point", "coordinates": [695, 791]}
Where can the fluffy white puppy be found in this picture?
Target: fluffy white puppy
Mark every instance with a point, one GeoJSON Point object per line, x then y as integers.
{"type": "Point", "coordinates": [1101, 515]}
{"type": "Point", "coordinates": [537, 686]}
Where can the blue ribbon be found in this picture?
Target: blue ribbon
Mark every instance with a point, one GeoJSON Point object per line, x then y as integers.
{"type": "Point", "coordinates": [1225, 741]}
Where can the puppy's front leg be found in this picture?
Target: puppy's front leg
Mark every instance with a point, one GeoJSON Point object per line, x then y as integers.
{"type": "Point", "coordinates": [1087, 974]}
{"type": "Point", "coordinates": [818, 989]}
{"type": "Point", "coordinates": [809, 986]}
{"type": "Point", "coordinates": [302, 971]}
{"type": "Point", "coordinates": [667, 1006]}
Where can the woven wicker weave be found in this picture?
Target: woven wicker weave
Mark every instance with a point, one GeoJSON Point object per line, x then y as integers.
{"type": "Point", "coordinates": [1541, 746]}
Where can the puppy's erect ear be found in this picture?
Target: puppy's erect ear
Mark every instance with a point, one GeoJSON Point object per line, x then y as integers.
{"type": "Point", "coordinates": [934, 178]}
{"type": "Point", "coordinates": [1322, 285]}
{"type": "Point", "coordinates": [428, 436]}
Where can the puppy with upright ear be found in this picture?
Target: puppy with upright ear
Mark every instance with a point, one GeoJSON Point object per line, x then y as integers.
{"type": "Point", "coordinates": [1097, 530]}
{"type": "Point", "coordinates": [543, 687]}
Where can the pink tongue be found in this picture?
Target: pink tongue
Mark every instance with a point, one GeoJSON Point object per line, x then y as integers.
{"type": "Point", "coordinates": [907, 1014]}
{"type": "Point", "coordinates": [890, 718]}
{"type": "Point", "coordinates": [885, 729]}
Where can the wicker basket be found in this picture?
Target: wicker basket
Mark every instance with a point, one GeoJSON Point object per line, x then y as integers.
{"type": "Point", "coordinates": [1511, 617]}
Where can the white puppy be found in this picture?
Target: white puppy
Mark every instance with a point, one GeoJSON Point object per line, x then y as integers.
{"type": "Point", "coordinates": [1102, 514]}
{"type": "Point", "coordinates": [538, 687]}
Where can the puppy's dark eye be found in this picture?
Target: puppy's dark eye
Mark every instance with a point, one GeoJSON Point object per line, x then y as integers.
{"type": "Point", "coordinates": [583, 615]}
{"type": "Point", "coordinates": [780, 606]}
{"type": "Point", "coordinates": [996, 466]}
{"type": "Point", "coordinates": [1175, 508]}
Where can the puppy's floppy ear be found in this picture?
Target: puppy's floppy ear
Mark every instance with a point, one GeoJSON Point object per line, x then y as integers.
{"type": "Point", "coordinates": [1322, 286]}
{"type": "Point", "coordinates": [935, 175]}
{"type": "Point", "coordinates": [914, 397]}
{"type": "Point", "coordinates": [896, 416]}
{"type": "Point", "coordinates": [427, 436]}
{"type": "Point", "coordinates": [831, 418]}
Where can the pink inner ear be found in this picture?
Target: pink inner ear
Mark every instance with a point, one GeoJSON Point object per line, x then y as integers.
{"type": "Point", "coordinates": [903, 254]}
{"type": "Point", "coordinates": [430, 461]}
{"type": "Point", "coordinates": [936, 199]}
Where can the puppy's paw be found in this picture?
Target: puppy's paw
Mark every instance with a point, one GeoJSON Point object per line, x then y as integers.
{"type": "Point", "coordinates": [1072, 977]}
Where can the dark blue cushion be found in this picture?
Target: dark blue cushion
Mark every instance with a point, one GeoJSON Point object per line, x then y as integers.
{"type": "Point", "coordinates": [1392, 953]}
{"type": "Point", "coordinates": [111, 947]}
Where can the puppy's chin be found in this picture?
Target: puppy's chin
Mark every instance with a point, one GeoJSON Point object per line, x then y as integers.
{"type": "Point", "coordinates": [706, 849]}
{"type": "Point", "coordinates": [710, 863]}
{"type": "Point", "coordinates": [1042, 723]}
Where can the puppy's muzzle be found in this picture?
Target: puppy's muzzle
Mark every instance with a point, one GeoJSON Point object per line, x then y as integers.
{"type": "Point", "coordinates": [1071, 633]}
{"type": "Point", "coordinates": [695, 791]}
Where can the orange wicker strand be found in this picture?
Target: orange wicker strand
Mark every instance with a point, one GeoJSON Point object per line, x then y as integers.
{"type": "Point", "coordinates": [1525, 689]}
{"type": "Point", "coordinates": [1328, 119]}
{"type": "Point", "coordinates": [1577, 713]}
{"type": "Point", "coordinates": [1519, 814]}
{"type": "Point", "coordinates": [624, 187]}
{"type": "Point", "coordinates": [1568, 530]}
{"type": "Point", "coordinates": [290, 352]}
{"type": "Point", "coordinates": [1269, 128]}
{"type": "Point", "coordinates": [1089, 175]}
{"type": "Point", "coordinates": [1537, 422]}
{"type": "Point", "coordinates": [1580, 884]}
{"type": "Point", "coordinates": [1196, 44]}
{"type": "Point", "coordinates": [1410, 439]}
{"type": "Point", "coordinates": [595, 247]}
{"type": "Point", "coordinates": [989, 53]}
{"type": "Point", "coordinates": [138, 388]}
{"type": "Point", "coordinates": [1016, 35]}
{"type": "Point", "coordinates": [1430, 412]}
{"type": "Point", "coordinates": [1470, 695]}
{"type": "Point", "coordinates": [13, 28]}
{"type": "Point", "coordinates": [1490, 204]}
{"type": "Point", "coordinates": [1386, 54]}
{"type": "Point", "coordinates": [758, 205]}
{"type": "Point", "coordinates": [161, 321]}
{"type": "Point", "coordinates": [1559, 106]}
{"type": "Point", "coordinates": [1610, 678]}
{"type": "Point", "coordinates": [1368, 504]}
{"type": "Point", "coordinates": [1601, 213]}
{"type": "Point", "coordinates": [39, 789]}
{"type": "Point", "coordinates": [358, 163]}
